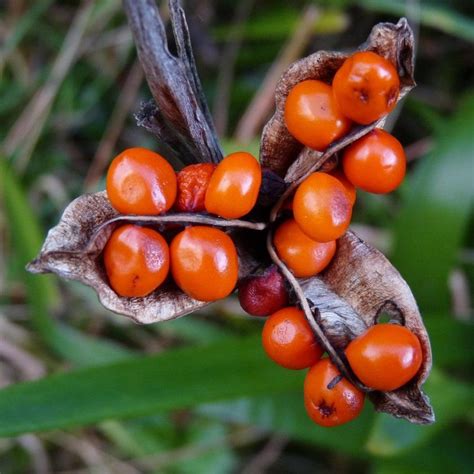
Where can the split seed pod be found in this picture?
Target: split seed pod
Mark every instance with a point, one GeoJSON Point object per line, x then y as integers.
{"type": "Point", "coordinates": [341, 303]}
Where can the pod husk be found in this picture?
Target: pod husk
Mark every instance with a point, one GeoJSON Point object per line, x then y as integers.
{"type": "Point", "coordinates": [73, 250]}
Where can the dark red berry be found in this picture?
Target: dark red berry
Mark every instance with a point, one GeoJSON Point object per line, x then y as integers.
{"type": "Point", "coordinates": [263, 294]}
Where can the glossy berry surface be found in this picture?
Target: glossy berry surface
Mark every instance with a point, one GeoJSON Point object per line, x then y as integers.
{"type": "Point", "coordinates": [375, 163]}
{"type": "Point", "coordinates": [140, 181]}
{"type": "Point", "coordinates": [136, 260]}
{"type": "Point", "coordinates": [329, 399]}
{"type": "Point", "coordinates": [322, 208]}
{"type": "Point", "coordinates": [234, 186]}
{"type": "Point", "coordinates": [366, 87]}
{"type": "Point", "coordinates": [193, 181]}
{"type": "Point", "coordinates": [385, 357]}
{"type": "Point", "coordinates": [348, 186]}
{"type": "Point", "coordinates": [263, 294]}
{"type": "Point", "coordinates": [204, 263]}
{"type": "Point", "coordinates": [289, 341]}
{"type": "Point", "coordinates": [303, 256]}
{"type": "Point", "coordinates": [312, 115]}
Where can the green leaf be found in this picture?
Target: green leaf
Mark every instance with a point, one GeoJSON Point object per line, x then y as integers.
{"type": "Point", "coordinates": [143, 385]}
{"type": "Point", "coordinates": [430, 14]}
{"type": "Point", "coordinates": [42, 292]}
{"type": "Point", "coordinates": [450, 451]}
{"type": "Point", "coordinates": [285, 413]}
{"type": "Point", "coordinates": [447, 333]}
{"type": "Point", "coordinates": [432, 224]}
{"type": "Point", "coordinates": [451, 401]}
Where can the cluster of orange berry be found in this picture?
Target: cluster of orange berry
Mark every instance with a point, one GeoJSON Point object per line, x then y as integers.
{"type": "Point", "coordinates": [364, 89]}
{"type": "Point", "coordinates": [203, 260]}
{"type": "Point", "coordinates": [384, 358]}
{"type": "Point", "coordinates": [387, 356]}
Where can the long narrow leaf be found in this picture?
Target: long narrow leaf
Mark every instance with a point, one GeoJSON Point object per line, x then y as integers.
{"type": "Point", "coordinates": [144, 385]}
{"type": "Point", "coordinates": [432, 224]}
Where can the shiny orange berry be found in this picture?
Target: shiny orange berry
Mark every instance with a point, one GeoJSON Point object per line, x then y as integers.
{"type": "Point", "coordinates": [234, 186]}
{"type": "Point", "coordinates": [322, 208]}
{"type": "Point", "coordinates": [289, 341]}
{"type": "Point", "coordinates": [204, 263]}
{"type": "Point", "coordinates": [349, 187]}
{"type": "Point", "coordinates": [312, 115]}
{"type": "Point", "coordinates": [385, 357]}
{"type": "Point", "coordinates": [375, 163]}
{"type": "Point", "coordinates": [366, 87]}
{"type": "Point", "coordinates": [136, 260]}
{"type": "Point", "coordinates": [330, 399]}
{"type": "Point", "coordinates": [193, 181]}
{"type": "Point", "coordinates": [140, 181]}
{"type": "Point", "coordinates": [304, 256]}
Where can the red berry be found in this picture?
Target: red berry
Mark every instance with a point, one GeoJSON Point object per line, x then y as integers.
{"type": "Point", "coordinates": [193, 181]}
{"type": "Point", "coordinates": [263, 294]}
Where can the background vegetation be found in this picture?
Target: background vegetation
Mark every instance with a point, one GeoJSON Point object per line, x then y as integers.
{"type": "Point", "coordinates": [197, 395]}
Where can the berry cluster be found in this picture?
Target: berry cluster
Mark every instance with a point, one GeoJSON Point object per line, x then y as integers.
{"type": "Point", "coordinates": [364, 89]}
{"type": "Point", "coordinates": [138, 259]}
{"type": "Point", "coordinates": [384, 358]}
{"type": "Point", "coordinates": [387, 356]}
{"type": "Point", "coordinates": [203, 260]}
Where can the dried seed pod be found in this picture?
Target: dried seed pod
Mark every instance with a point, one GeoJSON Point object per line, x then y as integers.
{"type": "Point", "coordinates": [360, 283]}
{"type": "Point", "coordinates": [73, 250]}
{"type": "Point", "coordinates": [282, 153]}
{"type": "Point", "coordinates": [340, 303]}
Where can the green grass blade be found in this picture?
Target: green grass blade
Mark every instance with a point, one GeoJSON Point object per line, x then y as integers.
{"type": "Point", "coordinates": [430, 229]}
{"type": "Point", "coordinates": [435, 16]}
{"type": "Point", "coordinates": [42, 292]}
{"type": "Point", "coordinates": [144, 385]}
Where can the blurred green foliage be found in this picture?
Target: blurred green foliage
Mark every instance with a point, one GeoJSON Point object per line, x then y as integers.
{"type": "Point", "coordinates": [197, 395]}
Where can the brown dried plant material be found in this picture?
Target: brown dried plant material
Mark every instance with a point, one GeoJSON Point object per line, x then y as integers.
{"type": "Point", "coordinates": [179, 116]}
{"type": "Point", "coordinates": [73, 250]}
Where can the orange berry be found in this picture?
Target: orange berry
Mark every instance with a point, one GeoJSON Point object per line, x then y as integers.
{"type": "Point", "coordinates": [234, 186]}
{"type": "Point", "coordinates": [322, 208]}
{"type": "Point", "coordinates": [136, 260]}
{"type": "Point", "coordinates": [289, 341]}
{"type": "Point", "coordinates": [312, 115]}
{"type": "Point", "coordinates": [193, 181]}
{"type": "Point", "coordinates": [304, 256]}
{"type": "Point", "coordinates": [348, 186]}
{"type": "Point", "coordinates": [366, 87]}
{"type": "Point", "coordinates": [204, 263]}
{"type": "Point", "coordinates": [140, 181]}
{"type": "Point", "coordinates": [330, 399]}
{"type": "Point", "coordinates": [385, 357]}
{"type": "Point", "coordinates": [375, 163]}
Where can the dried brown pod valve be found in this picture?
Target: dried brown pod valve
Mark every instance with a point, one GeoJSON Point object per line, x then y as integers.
{"type": "Point", "coordinates": [348, 297]}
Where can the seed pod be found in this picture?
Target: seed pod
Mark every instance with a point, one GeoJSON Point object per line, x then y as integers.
{"type": "Point", "coordinates": [340, 303]}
